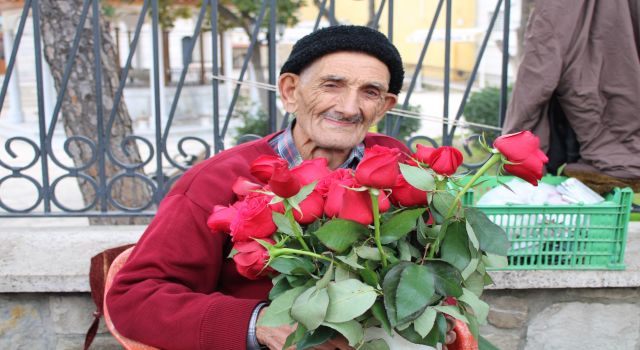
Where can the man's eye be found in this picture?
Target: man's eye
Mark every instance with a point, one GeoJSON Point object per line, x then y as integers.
{"type": "Point", "coordinates": [372, 93]}
{"type": "Point", "coordinates": [330, 85]}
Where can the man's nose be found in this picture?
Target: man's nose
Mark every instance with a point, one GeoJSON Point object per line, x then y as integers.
{"type": "Point", "coordinates": [349, 104]}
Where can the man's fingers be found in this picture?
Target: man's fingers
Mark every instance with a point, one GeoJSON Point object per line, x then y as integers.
{"type": "Point", "coordinates": [451, 337]}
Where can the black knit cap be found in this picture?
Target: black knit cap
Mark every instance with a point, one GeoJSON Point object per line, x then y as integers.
{"type": "Point", "coordinates": [346, 38]}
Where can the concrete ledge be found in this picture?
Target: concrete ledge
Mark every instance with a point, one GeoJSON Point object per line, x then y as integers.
{"type": "Point", "coordinates": [56, 259]}
{"type": "Point", "coordinates": [538, 279]}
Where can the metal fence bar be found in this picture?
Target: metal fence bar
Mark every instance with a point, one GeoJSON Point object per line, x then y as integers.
{"type": "Point", "coordinates": [14, 52]}
{"type": "Point", "coordinates": [476, 66]}
{"type": "Point", "coordinates": [46, 193]}
{"type": "Point", "coordinates": [273, 112]}
{"type": "Point", "coordinates": [447, 74]}
{"type": "Point", "coordinates": [155, 20]}
{"type": "Point", "coordinates": [97, 44]}
{"type": "Point", "coordinates": [416, 72]}
{"type": "Point", "coordinates": [505, 62]}
{"type": "Point", "coordinates": [217, 138]}
{"type": "Point", "coordinates": [245, 65]}
{"type": "Point", "coordinates": [176, 97]}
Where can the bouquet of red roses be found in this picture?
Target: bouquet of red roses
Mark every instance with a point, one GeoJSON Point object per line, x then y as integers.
{"type": "Point", "coordinates": [388, 245]}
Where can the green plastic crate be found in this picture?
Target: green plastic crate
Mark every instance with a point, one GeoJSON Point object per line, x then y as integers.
{"type": "Point", "coordinates": [561, 237]}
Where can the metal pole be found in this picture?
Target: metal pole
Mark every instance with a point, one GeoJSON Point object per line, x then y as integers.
{"type": "Point", "coordinates": [447, 76]}
{"type": "Point", "coordinates": [217, 142]}
{"type": "Point", "coordinates": [273, 113]}
{"type": "Point", "coordinates": [156, 101]}
{"type": "Point", "coordinates": [97, 50]}
{"type": "Point", "coordinates": [505, 62]}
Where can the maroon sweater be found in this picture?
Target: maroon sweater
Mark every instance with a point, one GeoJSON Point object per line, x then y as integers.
{"type": "Point", "coordinates": [178, 290]}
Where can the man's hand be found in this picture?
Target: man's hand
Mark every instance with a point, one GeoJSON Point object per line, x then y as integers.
{"type": "Point", "coordinates": [275, 337]}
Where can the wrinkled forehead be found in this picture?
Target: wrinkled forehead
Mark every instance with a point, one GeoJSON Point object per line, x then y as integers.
{"type": "Point", "coordinates": [348, 66]}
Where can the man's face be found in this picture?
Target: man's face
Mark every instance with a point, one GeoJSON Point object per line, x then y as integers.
{"type": "Point", "coordinates": [338, 97]}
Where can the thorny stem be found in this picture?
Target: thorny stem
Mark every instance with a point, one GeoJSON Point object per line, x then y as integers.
{"type": "Point", "coordinates": [376, 223]}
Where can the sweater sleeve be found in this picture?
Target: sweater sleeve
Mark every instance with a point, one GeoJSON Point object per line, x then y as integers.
{"type": "Point", "coordinates": [168, 293]}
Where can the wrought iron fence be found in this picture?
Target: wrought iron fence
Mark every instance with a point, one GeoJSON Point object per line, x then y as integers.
{"type": "Point", "coordinates": [166, 168]}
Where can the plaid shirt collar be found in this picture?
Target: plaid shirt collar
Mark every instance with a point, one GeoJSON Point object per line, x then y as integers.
{"type": "Point", "coordinates": [284, 146]}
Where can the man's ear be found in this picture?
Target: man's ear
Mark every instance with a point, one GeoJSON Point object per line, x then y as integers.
{"type": "Point", "coordinates": [390, 101]}
{"type": "Point", "coordinates": [287, 84]}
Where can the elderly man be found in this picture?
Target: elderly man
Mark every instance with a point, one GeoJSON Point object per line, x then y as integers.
{"type": "Point", "coordinates": [178, 290]}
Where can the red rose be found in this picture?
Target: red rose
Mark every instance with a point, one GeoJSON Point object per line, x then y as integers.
{"type": "Point", "coordinates": [243, 187]}
{"type": "Point", "coordinates": [251, 259]}
{"type": "Point", "coordinates": [379, 167]}
{"type": "Point", "coordinates": [253, 219]}
{"type": "Point", "coordinates": [345, 203]}
{"type": "Point", "coordinates": [311, 170]}
{"type": "Point", "coordinates": [522, 149]}
{"type": "Point", "coordinates": [406, 195]}
{"type": "Point", "coordinates": [221, 218]}
{"type": "Point", "coordinates": [445, 160]}
{"type": "Point", "coordinates": [263, 167]}
{"type": "Point", "coordinates": [423, 153]}
{"type": "Point", "coordinates": [337, 175]}
{"type": "Point", "coordinates": [312, 208]}
{"type": "Point", "coordinates": [283, 182]}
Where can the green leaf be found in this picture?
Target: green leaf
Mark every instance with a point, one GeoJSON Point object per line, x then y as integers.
{"type": "Point", "coordinates": [471, 268]}
{"type": "Point", "coordinates": [343, 274]}
{"type": "Point", "coordinates": [475, 283]}
{"type": "Point", "coordinates": [278, 312]}
{"type": "Point", "coordinates": [447, 279]}
{"type": "Point", "coordinates": [492, 237]}
{"type": "Point", "coordinates": [349, 299]}
{"type": "Point", "coordinates": [352, 330]}
{"type": "Point", "coordinates": [376, 344]}
{"type": "Point", "coordinates": [480, 308]}
{"type": "Point", "coordinates": [451, 311]}
{"type": "Point", "coordinates": [418, 177]}
{"type": "Point", "coordinates": [411, 335]}
{"type": "Point", "coordinates": [389, 288]}
{"type": "Point", "coordinates": [472, 236]}
{"type": "Point", "coordinates": [338, 235]}
{"type": "Point", "coordinates": [372, 253]}
{"type": "Point", "coordinates": [369, 277]}
{"type": "Point", "coordinates": [404, 249]}
{"type": "Point", "coordinates": [351, 260]}
{"type": "Point", "coordinates": [495, 261]}
{"type": "Point", "coordinates": [292, 265]}
{"type": "Point", "coordinates": [295, 336]}
{"type": "Point", "coordinates": [442, 201]}
{"type": "Point", "coordinates": [319, 336]}
{"type": "Point", "coordinates": [301, 195]}
{"type": "Point", "coordinates": [415, 289]}
{"type": "Point", "coordinates": [455, 246]}
{"type": "Point", "coordinates": [283, 223]}
{"type": "Point", "coordinates": [310, 307]}
{"type": "Point", "coordinates": [424, 323]}
{"type": "Point", "coordinates": [400, 225]}
{"type": "Point", "coordinates": [280, 285]}
{"type": "Point", "coordinates": [379, 313]}
{"type": "Point", "coordinates": [326, 278]}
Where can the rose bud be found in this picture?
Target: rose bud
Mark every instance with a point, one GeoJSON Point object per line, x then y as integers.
{"type": "Point", "coordinates": [379, 167]}
{"type": "Point", "coordinates": [243, 187]}
{"type": "Point", "coordinates": [253, 219]}
{"type": "Point", "coordinates": [283, 182]}
{"type": "Point", "coordinates": [522, 149]}
{"type": "Point", "coordinates": [445, 160]}
{"type": "Point", "coordinates": [423, 153]}
{"type": "Point", "coordinates": [262, 167]}
{"type": "Point", "coordinates": [221, 218]}
{"type": "Point", "coordinates": [251, 259]}
{"type": "Point", "coordinates": [403, 194]}
{"type": "Point", "coordinates": [311, 170]}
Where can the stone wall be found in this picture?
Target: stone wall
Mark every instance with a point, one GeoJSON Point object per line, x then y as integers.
{"type": "Point", "coordinates": [45, 301]}
{"type": "Point", "coordinates": [34, 321]}
{"type": "Point", "coordinates": [584, 319]}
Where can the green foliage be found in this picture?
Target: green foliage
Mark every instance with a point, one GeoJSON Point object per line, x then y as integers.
{"type": "Point", "coordinates": [483, 107]}
{"type": "Point", "coordinates": [408, 125]}
{"type": "Point", "coordinates": [253, 121]}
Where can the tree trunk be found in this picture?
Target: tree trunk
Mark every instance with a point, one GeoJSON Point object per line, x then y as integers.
{"type": "Point", "coordinates": [59, 20]}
